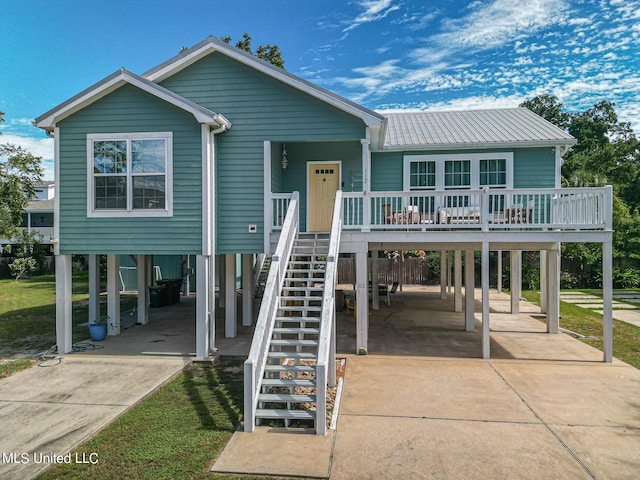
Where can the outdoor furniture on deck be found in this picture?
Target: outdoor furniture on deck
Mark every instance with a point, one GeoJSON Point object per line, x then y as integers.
{"type": "Point", "coordinates": [459, 215]}
{"type": "Point", "coordinates": [409, 215]}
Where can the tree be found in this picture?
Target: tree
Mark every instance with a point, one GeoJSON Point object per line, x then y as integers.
{"type": "Point", "coordinates": [29, 255]}
{"type": "Point", "coordinates": [549, 108]}
{"type": "Point", "coordinates": [268, 53]}
{"type": "Point", "coordinates": [19, 173]}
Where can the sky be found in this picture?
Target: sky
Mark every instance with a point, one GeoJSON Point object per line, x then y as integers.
{"type": "Point", "coordinates": [388, 55]}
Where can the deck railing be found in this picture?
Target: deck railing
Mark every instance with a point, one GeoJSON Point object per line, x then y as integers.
{"type": "Point", "coordinates": [486, 209]}
{"type": "Point", "coordinates": [254, 366]}
{"type": "Point", "coordinates": [326, 363]}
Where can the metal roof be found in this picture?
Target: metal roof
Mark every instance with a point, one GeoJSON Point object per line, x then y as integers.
{"type": "Point", "coordinates": [471, 128]}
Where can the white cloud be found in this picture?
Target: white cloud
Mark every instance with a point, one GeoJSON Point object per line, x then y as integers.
{"type": "Point", "coordinates": [40, 147]}
{"type": "Point", "coordinates": [374, 10]}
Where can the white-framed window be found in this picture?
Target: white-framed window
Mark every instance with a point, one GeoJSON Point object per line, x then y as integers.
{"type": "Point", "coordinates": [456, 171]}
{"type": "Point", "coordinates": [130, 174]}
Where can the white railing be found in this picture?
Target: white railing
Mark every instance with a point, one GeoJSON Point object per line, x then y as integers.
{"type": "Point", "coordinates": [326, 363]}
{"type": "Point", "coordinates": [486, 209]}
{"type": "Point", "coordinates": [279, 207]}
{"type": "Point", "coordinates": [254, 366]}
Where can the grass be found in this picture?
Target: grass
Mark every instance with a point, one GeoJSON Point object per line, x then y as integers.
{"type": "Point", "coordinates": [174, 434]}
{"type": "Point", "coordinates": [28, 312]}
{"type": "Point", "coordinates": [13, 366]}
{"type": "Point", "coordinates": [626, 337]}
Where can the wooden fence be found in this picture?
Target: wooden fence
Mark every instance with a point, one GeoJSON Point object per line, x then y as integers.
{"type": "Point", "coordinates": [408, 271]}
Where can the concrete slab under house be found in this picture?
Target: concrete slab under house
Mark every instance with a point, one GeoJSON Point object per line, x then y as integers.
{"type": "Point", "coordinates": [238, 167]}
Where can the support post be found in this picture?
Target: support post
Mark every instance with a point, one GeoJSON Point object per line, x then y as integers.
{"type": "Point", "coordinates": [230, 295]}
{"type": "Point", "coordinates": [94, 288]}
{"type": "Point", "coordinates": [362, 304]}
{"type": "Point", "coordinates": [515, 257]}
{"type": "Point", "coordinates": [143, 290]}
{"type": "Point", "coordinates": [211, 289]}
{"type": "Point", "coordinates": [247, 289]}
{"type": "Point", "coordinates": [64, 339]}
{"type": "Point", "coordinates": [113, 294]}
{"type": "Point", "coordinates": [375, 270]}
{"type": "Point", "coordinates": [202, 305]}
{"type": "Point", "coordinates": [486, 336]}
{"type": "Point", "coordinates": [443, 275]}
{"type": "Point", "coordinates": [469, 292]}
{"type": "Point", "coordinates": [543, 281]}
{"type": "Point", "coordinates": [553, 290]}
{"type": "Point", "coordinates": [607, 300]}
{"type": "Point", "coordinates": [221, 280]}
{"type": "Point", "coordinates": [457, 282]}
{"type": "Point", "coordinates": [499, 269]}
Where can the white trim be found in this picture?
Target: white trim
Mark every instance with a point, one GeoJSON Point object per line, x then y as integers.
{"type": "Point", "coordinates": [440, 160]}
{"type": "Point", "coordinates": [298, 83]}
{"type": "Point", "coordinates": [321, 162]}
{"type": "Point", "coordinates": [130, 212]}
{"type": "Point", "coordinates": [56, 198]}
{"type": "Point", "coordinates": [205, 140]}
{"type": "Point", "coordinates": [268, 221]}
{"type": "Point", "coordinates": [115, 81]}
{"type": "Point", "coordinates": [558, 165]}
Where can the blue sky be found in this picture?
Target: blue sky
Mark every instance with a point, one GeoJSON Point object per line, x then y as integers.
{"type": "Point", "coordinates": [385, 54]}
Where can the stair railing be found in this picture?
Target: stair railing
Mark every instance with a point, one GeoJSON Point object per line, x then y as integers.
{"type": "Point", "coordinates": [254, 366]}
{"type": "Point", "coordinates": [326, 363]}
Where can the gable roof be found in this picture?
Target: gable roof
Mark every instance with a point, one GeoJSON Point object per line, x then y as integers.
{"type": "Point", "coordinates": [213, 44]}
{"type": "Point", "coordinates": [513, 127]}
{"type": "Point", "coordinates": [114, 81]}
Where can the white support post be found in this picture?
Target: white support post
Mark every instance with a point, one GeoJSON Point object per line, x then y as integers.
{"type": "Point", "coordinates": [186, 283]}
{"type": "Point", "coordinates": [143, 290]}
{"type": "Point", "coordinates": [354, 269]}
{"type": "Point", "coordinates": [486, 336]}
{"type": "Point", "coordinates": [543, 281]}
{"type": "Point", "coordinates": [443, 275]}
{"type": "Point", "coordinates": [499, 269]}
{"type": "Point", "coordinates": [230, 296]}
{"type": "Point", "coordinates": [202, 305]}
{"type": "Point", "coordinates": [64, 338]}
{"type": "Point", "coordinates": [515, 257]}
{"type": "Point", "coordinates": [221, 280]}
{"type": "Point", "coordinates": [211, 289]}
{"type": "Point", "coordinates": [375, 270]}
{"type": "Point", "coordinates": [469, 292]}
{"type": "Point", "coordinates": [553, 290]}
{"type": "Point", "coordinates": [362, 304]}
{"type": "Point", "coordinates": [457, 282]}
{"type": "Point", "coordinates": [366, 184]}
{"type": "Point", "coordinates": [247, 288]}
{"type": "Point", "coordinates": [449, 272]}
{"type": "Point", "coordinates": [113, 294]}
{"type": "Point", "coordinates": [607, 300]}
{"type": "Point", "coordinates": [94, 288]}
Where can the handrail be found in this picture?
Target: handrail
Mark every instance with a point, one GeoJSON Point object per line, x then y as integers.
{"type": "Point", "coordinates": [326, 362]}
{"type": "Point", "coordinates": [487, 209]}
{"type": "Point", "coordinates": [254, 366]}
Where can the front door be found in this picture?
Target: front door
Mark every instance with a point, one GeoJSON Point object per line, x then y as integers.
{"type": "Point", "coordinates": [324, 181]}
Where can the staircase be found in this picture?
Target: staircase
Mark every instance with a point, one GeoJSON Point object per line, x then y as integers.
{"type": "Point", "coordinates": [262, 278]}
{"type": "Point", "coordinates": [287, 391]}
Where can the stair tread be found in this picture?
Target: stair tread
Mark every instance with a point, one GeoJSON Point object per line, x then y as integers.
{"type": "Point", "coordinates": [281, 413]}
{"type": "Point", "coordinates": [290, 368]}
{"type": "Point", "coordinates": [303, 289]}
{"type": "Point", "coordinates": [293, 355]}
{"type": "Point", "coordinates": [306, 331]}
{"type": "Point", "coordinates": [301, 298]}
{"type": "Point", "coordinates": [286, 397]}
{"type": "Point", "coordinates": [287, 382]}
{"type": "Point", "coordinates": [294, 342]}
{"type": "Point", "coordinates": [301, 308]}
{"type": "Point", "coordinates": [298, 319]}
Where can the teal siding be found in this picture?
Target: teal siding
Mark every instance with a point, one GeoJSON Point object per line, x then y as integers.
{"type": "Point", "coordinates": [534, 168]}
{"type": "Point", "coordinates": [260, 108]}
{"type": "Point", "coordinates": [294, 178]}
{"type": "Point", "coordinates": [125, 110]}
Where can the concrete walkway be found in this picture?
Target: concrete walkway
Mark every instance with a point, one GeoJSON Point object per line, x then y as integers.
{"type": "Point", "coordinates": [622, 310]}
{"type": "Point", "coordinates": [420, 406]}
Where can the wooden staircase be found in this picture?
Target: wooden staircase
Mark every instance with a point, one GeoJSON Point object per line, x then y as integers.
{"type": "Point", "coordinates": [287, 390]}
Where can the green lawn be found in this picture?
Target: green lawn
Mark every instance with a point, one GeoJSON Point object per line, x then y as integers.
{"type": "Point", "coordinates": [174, 434]}
{"type": "Point", "coordinates": [13, 366]}
{"type": "Point", "coordinates": [28, 312]}
{"type": "Point", "coordinates": [626, 337]}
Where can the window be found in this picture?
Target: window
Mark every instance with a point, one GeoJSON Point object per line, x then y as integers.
{"type": "Point", "coordinates": [493, 173]}
{"type": "Point", "coordinates": [457, 174]}
{"type": "Point", "coordinates": [130, 174]}
{"type": "Point", "coordinates": [422, 176]}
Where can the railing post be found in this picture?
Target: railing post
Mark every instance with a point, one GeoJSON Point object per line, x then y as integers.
{"type": "Point", "coordinates": [366, 212]}
{"type": "Point", "coordinates": [608, 207]}
{"type": "Point", "coordinates": [249, 396]}
{"type": "Point", "coordinates": [484, 209]}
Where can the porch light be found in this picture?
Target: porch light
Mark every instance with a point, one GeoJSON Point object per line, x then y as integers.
{"type": "Point", "coordinates": [285, 162]}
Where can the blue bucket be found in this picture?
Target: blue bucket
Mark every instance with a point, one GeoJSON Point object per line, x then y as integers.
{"type": "Point", "coordinates": [97, 331]}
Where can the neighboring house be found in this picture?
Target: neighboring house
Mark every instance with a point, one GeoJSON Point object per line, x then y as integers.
{"type": "Point", "coordinates": [202, 156]}
{"type": "Point", "coordinates": [37, 218]}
